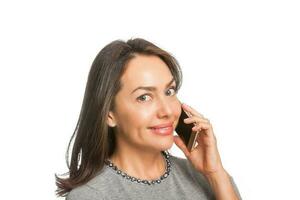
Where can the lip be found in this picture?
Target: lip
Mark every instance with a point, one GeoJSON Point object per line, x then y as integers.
{"type": "Point", "coordinates": [162, 125]}
{"type": "Point", "coordinates": [162, 129]}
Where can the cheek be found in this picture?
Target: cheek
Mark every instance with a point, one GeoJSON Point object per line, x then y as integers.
{"type": "Point", "coordinates": [176, 107]}
{"type": "Point", "coordinates": [176, 111]}
{"type": "Point", "coordinates": [135, 118]}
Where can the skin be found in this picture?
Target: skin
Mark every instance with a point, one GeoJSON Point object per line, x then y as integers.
{"type": "Point", "coordinates": [205, 157]}
{"type": "Point", "coordinates": [136, 112]}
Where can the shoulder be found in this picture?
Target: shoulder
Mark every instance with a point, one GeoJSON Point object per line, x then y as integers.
{"type": "Point", "coordinates": [178, 161]}
{"type": "Point", "coordinates": [92, 190]}
{"type": "Point", "coordinates": [184, 166]}
{"type": "Point", "coordinates": [84, 192]}
{"type": "Point", "coordinates": [185, 170]}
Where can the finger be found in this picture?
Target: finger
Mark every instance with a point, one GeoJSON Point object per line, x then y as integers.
{"type": "Point", "coordinates": [201, 126]}
{"type": "Point", "coordinates": [178, 141]}
{"type": "Point", "coordinates": [204, 128]}
{"type": "Point", "coordinates": [191, 110]}
{"type": "Point", "coordinates": [195, 119]}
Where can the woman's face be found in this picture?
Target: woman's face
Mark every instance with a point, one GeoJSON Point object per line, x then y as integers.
{"type": "Point", "coordinates": [138, 109]}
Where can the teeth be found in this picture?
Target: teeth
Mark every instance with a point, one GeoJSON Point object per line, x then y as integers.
{"type": "Point", "coordinates": [164, 128]}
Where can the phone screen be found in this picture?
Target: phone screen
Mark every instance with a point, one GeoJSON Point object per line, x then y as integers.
{"type": "Point", "coordinates": [185, 131]}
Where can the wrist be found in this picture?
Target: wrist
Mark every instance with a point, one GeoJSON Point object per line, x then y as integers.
{"type": "Point", "coordinates": [217, 176]}
{"type": "Point", "coordinates": [221, 185]}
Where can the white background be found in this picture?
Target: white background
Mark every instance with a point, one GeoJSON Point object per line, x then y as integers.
{"type": "Point", "coordinates": [240, 62]}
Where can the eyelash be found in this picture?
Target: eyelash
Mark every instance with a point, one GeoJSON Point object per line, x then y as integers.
{"type": "Point", "coordinates": [173, 87]}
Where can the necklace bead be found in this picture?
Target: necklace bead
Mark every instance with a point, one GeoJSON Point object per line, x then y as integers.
{"type": "Point", "coordinates": [137, 180]}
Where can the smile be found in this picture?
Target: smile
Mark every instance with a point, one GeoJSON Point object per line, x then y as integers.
{"type": "Point", "coordinates": [163, 131]}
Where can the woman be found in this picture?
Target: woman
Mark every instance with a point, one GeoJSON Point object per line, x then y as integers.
{"type": "Point", "coordinates": [125, 128]}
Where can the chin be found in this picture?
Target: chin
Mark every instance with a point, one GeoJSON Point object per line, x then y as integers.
{"type": "Point", "coordinates": [166, 144]}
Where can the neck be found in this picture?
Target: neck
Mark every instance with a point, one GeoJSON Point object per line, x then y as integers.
{"type": "Point", "coordinates": [140, 164]}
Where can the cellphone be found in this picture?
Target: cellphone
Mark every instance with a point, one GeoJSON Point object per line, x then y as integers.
{"type": "Point", "coordinates": [185, 131]}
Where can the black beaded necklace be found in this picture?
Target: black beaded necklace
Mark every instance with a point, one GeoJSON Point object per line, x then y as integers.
{"type": "Point", "coordinates": [137, 180]}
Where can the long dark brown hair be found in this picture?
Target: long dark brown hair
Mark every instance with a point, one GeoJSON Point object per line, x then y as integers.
{"type": "Point", "coordinates": [94, 140]}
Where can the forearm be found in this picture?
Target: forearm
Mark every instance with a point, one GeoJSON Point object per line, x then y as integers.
{"type": "Point", "coordinates": [222, 187]}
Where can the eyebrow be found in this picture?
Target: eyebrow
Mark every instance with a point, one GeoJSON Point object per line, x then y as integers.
{"type": "Point", "coordinates": [151, 88]}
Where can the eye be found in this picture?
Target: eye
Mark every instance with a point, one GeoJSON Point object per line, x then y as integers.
{"type": "Point", "coordinates": [143, 98]}
{"type": "Point", "coordinates": [174, 90]}
{"type": "Point", "coordinates": [146, 97]}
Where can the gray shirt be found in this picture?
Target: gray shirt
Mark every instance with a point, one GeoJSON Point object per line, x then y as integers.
{"type": "Point", "coordinates": [183, 182]}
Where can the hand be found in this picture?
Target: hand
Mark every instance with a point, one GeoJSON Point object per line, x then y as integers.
{"type": "Point", "coordinates": [204, 157]}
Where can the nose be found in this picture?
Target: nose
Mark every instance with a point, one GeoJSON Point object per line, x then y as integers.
{"type": "Point", "coordinates": [164, 108]}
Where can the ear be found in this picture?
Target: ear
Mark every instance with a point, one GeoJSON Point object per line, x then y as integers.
{"type": "Point", "coordinates": [111, 121]}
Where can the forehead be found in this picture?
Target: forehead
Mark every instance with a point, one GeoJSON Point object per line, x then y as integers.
{"type": "Point", "coordinates": [145, 70]}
